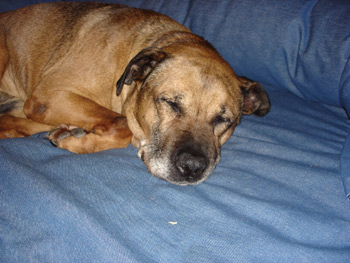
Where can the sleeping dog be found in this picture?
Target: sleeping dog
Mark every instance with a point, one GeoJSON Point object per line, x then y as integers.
{"type": "Point", "coordinates": [99, 76]}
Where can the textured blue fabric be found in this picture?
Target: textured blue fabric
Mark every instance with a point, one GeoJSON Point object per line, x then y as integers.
{"type": "Point", "coordinates": [345, 166]}
{"type": "Point", "coordinates": [277, 194]}
{"type": "Point", "coordinates": [345, 88]}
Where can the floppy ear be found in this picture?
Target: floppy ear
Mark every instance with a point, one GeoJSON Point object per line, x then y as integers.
{"type": "Point", "coordinates": [140, 67]}
{"type": "Point", "coordinates": [256, 99]}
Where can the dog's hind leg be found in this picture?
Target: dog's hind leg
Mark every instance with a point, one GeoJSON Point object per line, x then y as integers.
{"type": "Point", "coordinates": [83, 125]}
{"type": "Point", "coordinates": [12, 119]}
{"type": "Point", "coordinates": [13, 122]}
{"type": "Point", "coordinates": [4, 57]}
{"type": "Point", "coordinates": [11, 126]}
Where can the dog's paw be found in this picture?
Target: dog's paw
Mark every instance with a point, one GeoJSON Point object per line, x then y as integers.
{"type": "Point", "coordinates": [78, 140]}
{"type": "Point", "coordinates": [63, 132]}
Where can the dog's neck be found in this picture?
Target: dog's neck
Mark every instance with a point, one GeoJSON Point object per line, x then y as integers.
{"type": "Point", "coordinates": [180, 37]}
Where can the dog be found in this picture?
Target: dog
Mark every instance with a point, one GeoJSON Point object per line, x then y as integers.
{"type": "Point", "coordinates": [99, 76]}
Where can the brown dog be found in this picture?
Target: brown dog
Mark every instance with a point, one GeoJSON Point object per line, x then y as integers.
{"type": "Point", "coordinates": [74, 68]}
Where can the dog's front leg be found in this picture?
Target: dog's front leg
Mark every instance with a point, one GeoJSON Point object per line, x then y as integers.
{"type": "Point", "coordinates": [84, 125]}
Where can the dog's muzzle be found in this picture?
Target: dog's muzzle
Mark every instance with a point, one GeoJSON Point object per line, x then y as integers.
{"type": "Point", "coordinates": [190, 164]}
{"type": "Point", "coordinates": [181, 162]}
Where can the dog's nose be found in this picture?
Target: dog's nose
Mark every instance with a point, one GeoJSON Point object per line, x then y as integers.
{"type": "Point", "coordinates": [191, 164]}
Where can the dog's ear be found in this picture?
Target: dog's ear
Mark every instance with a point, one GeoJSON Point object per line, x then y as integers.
{"type": "Point", "coordinates": [256, 99]}
{"type": "Point", "coordinates": [140, 67]}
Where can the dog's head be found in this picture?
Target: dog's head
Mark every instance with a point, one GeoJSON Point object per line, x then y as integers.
{"type": "Point", "coordinates": [184, 102]}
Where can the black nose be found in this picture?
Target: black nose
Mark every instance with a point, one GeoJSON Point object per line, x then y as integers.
{"type": "Point", "coordinates": [190, 164]}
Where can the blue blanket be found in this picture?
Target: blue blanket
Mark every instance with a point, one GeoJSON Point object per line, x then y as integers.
{"type": "Point", "coordinates": [277, 194]}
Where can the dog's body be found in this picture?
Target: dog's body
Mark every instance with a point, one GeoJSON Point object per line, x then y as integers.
{"type": "Point", "coordinates": [83, 65]}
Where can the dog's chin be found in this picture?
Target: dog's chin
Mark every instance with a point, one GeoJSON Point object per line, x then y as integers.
{"type": "Point", "coordinates": [184, 182]}
{"type": "Point", "coordinates": [173, 178]}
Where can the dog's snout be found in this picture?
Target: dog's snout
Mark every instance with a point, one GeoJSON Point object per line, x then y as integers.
{"type": "Point", "coordinates": [191, 164]}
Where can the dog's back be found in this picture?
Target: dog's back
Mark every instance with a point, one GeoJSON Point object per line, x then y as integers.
{"type": "Point", "coordinates": [44, 35]}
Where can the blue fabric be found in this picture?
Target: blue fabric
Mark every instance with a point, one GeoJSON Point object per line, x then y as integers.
{"type": "Point", "coordinates": [345, 91]}
{"type": "Point", "coordinates": [277, 194]}
{"type": "Point", "coordinates": [345, 166]}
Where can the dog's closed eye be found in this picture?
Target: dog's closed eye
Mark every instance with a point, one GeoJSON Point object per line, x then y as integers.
{"type": "Point", "coordinates": [221, 120]}
{"type": "Point", "coordinates": [173, 105]}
